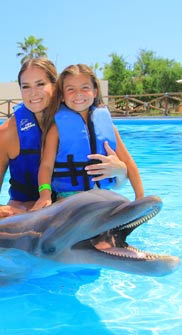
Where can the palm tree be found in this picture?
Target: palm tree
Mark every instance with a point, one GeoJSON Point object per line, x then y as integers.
{"type": "Point", "coordinates": [95, 67]}
{"type": "Point", "coordinates": [30, 48]}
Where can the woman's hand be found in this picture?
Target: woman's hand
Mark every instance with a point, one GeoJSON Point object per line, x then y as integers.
{"type": "Point", "coordinates": [109, 167]}
{"type": "Point", "coordinates": [6, 210]}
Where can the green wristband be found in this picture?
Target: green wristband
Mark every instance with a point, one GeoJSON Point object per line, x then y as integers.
{"type": "Point", "coordinates": [45, 187]}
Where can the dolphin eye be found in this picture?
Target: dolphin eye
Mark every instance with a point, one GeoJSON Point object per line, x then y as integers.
{"type": "Point", "coordinates": [48, 248]}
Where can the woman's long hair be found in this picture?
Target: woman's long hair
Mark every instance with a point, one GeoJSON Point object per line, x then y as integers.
{"type": "Point", "coordinates": [49, 68]}
{"type": "Point", "coordinates": [42, 63]}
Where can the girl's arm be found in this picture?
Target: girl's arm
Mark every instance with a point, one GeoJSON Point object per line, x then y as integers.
{"type": "Point", "coordinates": [133, 172]}
{"type": "Point", "coordinates": [46, 168]}
{"type": "Point", "coordinates": [117, 164]}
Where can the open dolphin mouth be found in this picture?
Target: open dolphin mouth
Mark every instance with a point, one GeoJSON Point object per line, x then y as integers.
{"type": "Point", "coordinates": [89, 228]}
{"type": "Point", "coordinates": [113, 242]}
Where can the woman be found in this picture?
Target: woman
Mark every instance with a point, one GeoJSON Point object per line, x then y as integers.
{"type": "Point", "coordinates": [20, 136]}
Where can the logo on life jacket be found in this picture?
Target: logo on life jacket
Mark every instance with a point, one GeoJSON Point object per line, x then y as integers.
{"type": "Point", "coordinates": [25, 125]}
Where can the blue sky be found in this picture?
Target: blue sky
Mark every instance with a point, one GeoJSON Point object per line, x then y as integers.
{"type": "Point", "coordinates": [80, 31]}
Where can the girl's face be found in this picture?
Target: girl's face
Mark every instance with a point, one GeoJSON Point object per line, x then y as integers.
{"type": "Point", "coordinates": [36, 89]}
{"type": "Point", "coordinates": [79, 92]}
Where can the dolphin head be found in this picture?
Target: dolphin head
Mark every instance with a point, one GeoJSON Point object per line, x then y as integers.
{"type": "Point", "coordinates": [89, 228]}
{"type": "Point", "coordinates": [88, 219]}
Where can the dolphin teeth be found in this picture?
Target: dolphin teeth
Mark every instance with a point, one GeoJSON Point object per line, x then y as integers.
{"type": "Point", "coordinates": [140, 220]}
{"type": "Point", "coordinates": [132, 253]}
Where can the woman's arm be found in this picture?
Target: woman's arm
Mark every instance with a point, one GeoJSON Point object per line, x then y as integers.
{"type": "Point", "coordinates": [5, 141]}
{"type": "Point", "coordinates": [9, 148]}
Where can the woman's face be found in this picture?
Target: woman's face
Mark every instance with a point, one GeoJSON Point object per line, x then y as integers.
{"type": "Point", "coordinates": [36, 89]}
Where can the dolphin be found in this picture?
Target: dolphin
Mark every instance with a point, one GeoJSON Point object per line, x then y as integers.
{"type": "Point", "coordinates": [71, 232]}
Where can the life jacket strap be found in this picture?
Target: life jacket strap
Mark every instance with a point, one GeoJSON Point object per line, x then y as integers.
{"type": "Point", "coordinates": [75, 169]}
{"type": "Point", "coordinates": [26, 188]}
{"type": "Point", "coordinates": [30, 151]}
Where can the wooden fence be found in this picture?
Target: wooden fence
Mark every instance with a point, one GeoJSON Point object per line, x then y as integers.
{"type": "Point", "coordinates": [6, 107]}
{"type": "Point", "coordinates": [161, 104]}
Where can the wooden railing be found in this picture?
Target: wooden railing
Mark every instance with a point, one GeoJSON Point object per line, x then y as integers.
{"type": "Point", "coordinates": [6, 107]}
{"type": "Point", "coordinates": [146, 104]}
{"type": "Point", "coordinates": [166, 104]}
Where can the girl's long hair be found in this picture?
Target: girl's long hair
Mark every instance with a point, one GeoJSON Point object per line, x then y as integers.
{"type": "Point", "coordinates": [58, 97]}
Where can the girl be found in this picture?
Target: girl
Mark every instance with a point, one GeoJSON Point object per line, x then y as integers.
{"type": "Point", "coordinates": [81, 147]}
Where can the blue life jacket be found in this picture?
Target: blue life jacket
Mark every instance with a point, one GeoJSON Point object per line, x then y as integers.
{"type": "Point", "coordinates": [77, 140]}
{"type": "Point", "coordinates": [24, 168]}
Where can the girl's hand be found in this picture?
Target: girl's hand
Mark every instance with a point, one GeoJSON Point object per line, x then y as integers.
{"type": "Point", "coordinates": [109, 167]}
{"type": "Point", "coordinates": [42, 202]}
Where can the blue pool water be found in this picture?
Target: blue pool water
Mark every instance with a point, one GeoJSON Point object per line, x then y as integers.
{"type": "Point", "coordinates": [105, 302]}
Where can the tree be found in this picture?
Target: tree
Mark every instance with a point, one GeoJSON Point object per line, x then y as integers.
{"type": "Point", "coordinates": [118, 75]}
{"type": "Point", "coordinates": [149, 74]}
{"type": "Point", "coordinates": [30, 48]}
{"type": "Point", "coordinates": [95, 67]}
{"type": "Point", "coordinates": [155, 74]}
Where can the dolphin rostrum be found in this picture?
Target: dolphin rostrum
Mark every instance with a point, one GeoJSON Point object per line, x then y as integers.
{"type": "Point", "coordinates": [70, 232]}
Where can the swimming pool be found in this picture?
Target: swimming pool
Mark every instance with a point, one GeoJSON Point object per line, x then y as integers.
{"type": "Point", "coordinates": [106, 302]}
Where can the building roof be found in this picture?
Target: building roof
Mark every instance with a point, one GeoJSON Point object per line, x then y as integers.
{"type": "Point", "coordinates": [10, 91]}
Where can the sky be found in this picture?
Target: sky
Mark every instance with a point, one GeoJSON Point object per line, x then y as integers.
{"type": "Point", "coordinates": [84, 31]}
